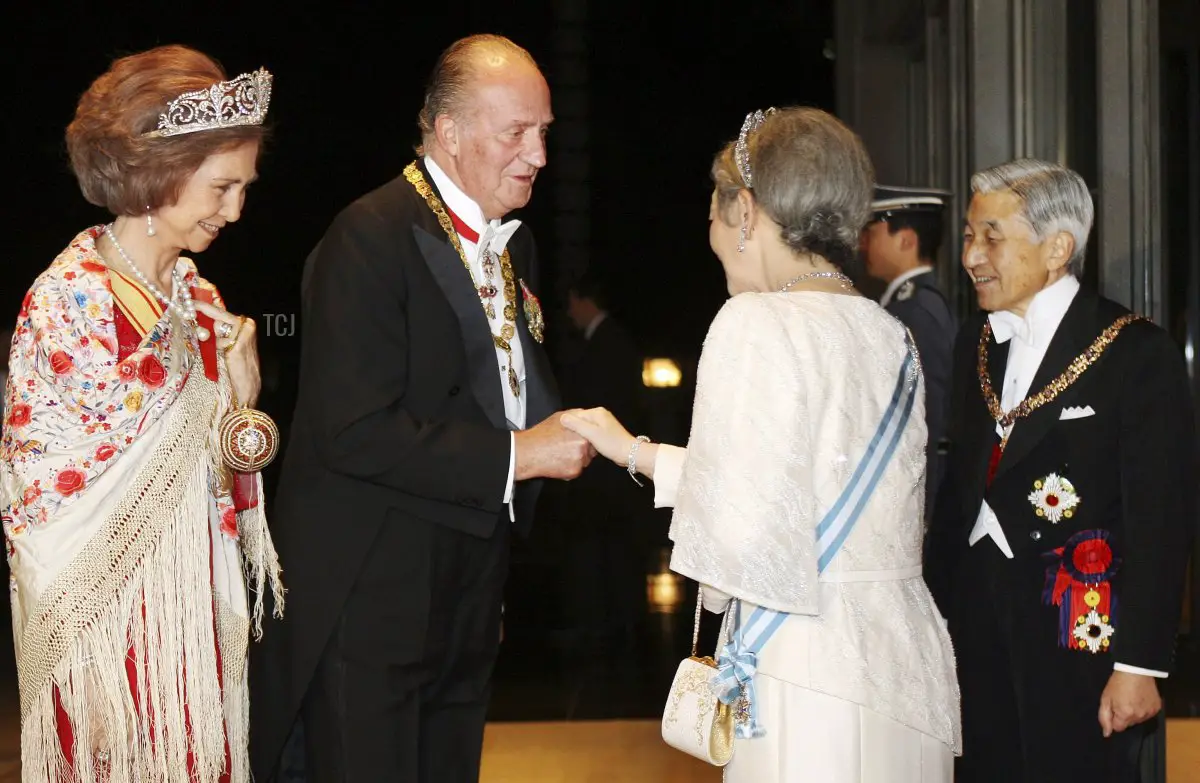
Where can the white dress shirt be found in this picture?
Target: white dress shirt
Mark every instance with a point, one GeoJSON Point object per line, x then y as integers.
{"type": "Point", "coordinates": [495, 235]}
{"type": "Point", "coordinates": [894, 286]}
{"type": "Point", "coordinates": [594, 324]}
{"type": "Point", "coordinates": [1030, 337]}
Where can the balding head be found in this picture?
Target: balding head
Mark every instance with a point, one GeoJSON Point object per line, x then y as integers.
{"type": "Point", "coordinates": [464, 62]}
{"type": "Point", "coordinates": [484, 122]}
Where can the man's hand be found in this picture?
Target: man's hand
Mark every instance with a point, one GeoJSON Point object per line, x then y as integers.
{"type": "Point", "coordinates": [1128, 699]}
{"type": "Point", "coordinates": [550, 450]}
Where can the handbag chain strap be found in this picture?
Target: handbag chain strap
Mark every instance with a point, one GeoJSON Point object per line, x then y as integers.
{"type": "Point", "coordinates": [722, 636]}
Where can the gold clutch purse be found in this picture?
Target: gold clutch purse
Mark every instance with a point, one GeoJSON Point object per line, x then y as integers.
{"type": "Point", "coordinates": [249, 440]}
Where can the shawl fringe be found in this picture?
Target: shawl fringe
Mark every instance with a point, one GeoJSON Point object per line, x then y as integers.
{"type": "Point", "coordinates": [143, 582]}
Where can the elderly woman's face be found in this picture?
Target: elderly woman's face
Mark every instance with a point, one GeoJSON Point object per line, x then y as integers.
{"type": "Point", "coordinates": [212, 198]}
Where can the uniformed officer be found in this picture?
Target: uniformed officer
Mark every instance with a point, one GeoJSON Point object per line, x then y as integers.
{"type": "Point", "coordinates": [899, 245]}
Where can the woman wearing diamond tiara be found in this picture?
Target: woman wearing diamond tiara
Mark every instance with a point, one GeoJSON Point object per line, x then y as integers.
{"type": "Point", "coordinates": [801, 488]}
{"type": "Point", "coordinates": [127, 537]}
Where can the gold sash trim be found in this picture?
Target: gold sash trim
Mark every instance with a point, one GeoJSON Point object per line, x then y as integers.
{"type": "Point", "coordinates": [1057, 386]}
{"type": "Point", "coordinates": [138, 304]}
{"type": "Point", "coordinates": [509, 329]}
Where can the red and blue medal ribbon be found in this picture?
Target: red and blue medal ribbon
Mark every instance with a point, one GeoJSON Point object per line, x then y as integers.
{"type": "Point", "coordinates": [1079, 581]}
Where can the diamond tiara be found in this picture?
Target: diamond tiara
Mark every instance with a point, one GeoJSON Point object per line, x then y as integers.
{"type": "Point", "coordinates": [240, 101]}
{"type": "Point", "coordinates": [741, 150]}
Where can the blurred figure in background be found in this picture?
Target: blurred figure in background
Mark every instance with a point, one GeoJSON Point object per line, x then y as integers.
{"type": "Point", "coordinates": [899, 246]}
{"type": "Point", "coordinates": [609, 366]}
{"type": "Point", "coordinates": [603, 535]}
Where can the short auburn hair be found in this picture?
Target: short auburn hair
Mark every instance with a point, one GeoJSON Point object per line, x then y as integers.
{"type": "Point", "coordinates": [117, 167]}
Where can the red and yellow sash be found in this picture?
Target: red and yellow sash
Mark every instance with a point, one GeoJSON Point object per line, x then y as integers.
{"type": "Point", "coordinates": [137, 304]}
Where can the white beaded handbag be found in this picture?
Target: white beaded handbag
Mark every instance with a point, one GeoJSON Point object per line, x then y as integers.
{"type": "Point", "coordinates": [694, 721]}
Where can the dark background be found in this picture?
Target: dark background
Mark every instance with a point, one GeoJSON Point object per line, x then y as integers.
{"type": "Point", "coordinates": [670, 83]}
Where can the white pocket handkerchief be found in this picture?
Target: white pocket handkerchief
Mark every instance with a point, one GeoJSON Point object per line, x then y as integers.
{"type": "Point", "coordinates": [1076, 412]}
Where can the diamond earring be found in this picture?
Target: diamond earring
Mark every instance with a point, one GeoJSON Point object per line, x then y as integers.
{"type": "Point", "coordinates": [149, 224]}
{"type": "Point", "coordinates": [742, 240]}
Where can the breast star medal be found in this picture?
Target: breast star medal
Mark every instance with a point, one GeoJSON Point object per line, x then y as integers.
{"type": "Point", "coordinates": [1092, 630]}
{"type": "Point", "coordinates": [1054, 498]}
{"type": "Point", "coordinates": [533, 313]}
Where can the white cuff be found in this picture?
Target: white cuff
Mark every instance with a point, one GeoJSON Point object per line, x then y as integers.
{"type": "Point", "coordinates": [1121, 667]}
{"type": "Point", "coordinates": [668, 469]}
{"type": "Point", "coordinates": [714, 600]}
{"type": "Point", "coordinates": [512, 473]}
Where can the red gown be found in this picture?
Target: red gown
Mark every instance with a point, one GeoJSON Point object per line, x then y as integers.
{"type": "Point", "coordinates": [128, 340]}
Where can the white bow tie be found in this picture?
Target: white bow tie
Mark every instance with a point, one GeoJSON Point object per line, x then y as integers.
{"type": "Point", "coordinates": [496, 235]}
{"type": "Point", "coordinates": [1006, 325]}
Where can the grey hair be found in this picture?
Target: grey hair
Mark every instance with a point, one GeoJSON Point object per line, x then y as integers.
{"type": "Point", "coordinates": [1053, 199]}
{"type": "Point", "coordinates": [446, 92]}
{"type": "Point", "coordinates": [812, 176]}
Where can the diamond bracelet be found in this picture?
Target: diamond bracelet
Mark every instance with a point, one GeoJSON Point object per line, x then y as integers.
{"type": "Point", "coordinates": [631, 463]}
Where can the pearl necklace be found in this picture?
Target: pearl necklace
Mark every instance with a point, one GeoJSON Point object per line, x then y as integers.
{"type": "Point", "coordinates": [184, 296]}
{"type": "Point", "coordinates": [845, 281]}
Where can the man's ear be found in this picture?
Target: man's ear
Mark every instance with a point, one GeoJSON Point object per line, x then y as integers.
{"type": "Point", "coordinates": [446, 130]}
{"type": "Point", "coordinates": [1061, 248]}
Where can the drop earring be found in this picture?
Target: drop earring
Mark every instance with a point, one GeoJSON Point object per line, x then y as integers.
{"type": "Point", "coordinates": [742, 240]}
{"type": "Point", "coordinates": [149, 224]}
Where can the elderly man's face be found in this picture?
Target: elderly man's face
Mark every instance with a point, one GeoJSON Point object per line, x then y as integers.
{"type": "Point", "coordinates": [502, 137]}
{"type": "Point", "coordinates": [1002, 256]}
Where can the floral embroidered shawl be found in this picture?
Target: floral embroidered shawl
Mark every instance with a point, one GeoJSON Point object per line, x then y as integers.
{"type": "Point", "coordinates": [122, 535]}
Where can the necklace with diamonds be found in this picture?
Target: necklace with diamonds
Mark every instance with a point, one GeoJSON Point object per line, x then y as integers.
{"type": "Point", "coordinates": [845, 281]}
{"type": "Point", "coordinates": [183, 301]}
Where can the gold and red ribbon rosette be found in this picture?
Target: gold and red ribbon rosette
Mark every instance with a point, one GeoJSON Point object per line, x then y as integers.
{"type": "Point", "coordinates": [1078, 581]}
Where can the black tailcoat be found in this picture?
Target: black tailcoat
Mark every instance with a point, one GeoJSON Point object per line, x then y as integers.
{"type": "Point", "coordinates": [1128, 448]}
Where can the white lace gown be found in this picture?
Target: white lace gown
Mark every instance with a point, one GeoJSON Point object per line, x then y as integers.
{"type": "Point", "coordinates": [858, 684]}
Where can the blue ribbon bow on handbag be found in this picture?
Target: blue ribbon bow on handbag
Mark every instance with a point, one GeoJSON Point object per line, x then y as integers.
{"type": "Point", "coordinates": [738, 663]}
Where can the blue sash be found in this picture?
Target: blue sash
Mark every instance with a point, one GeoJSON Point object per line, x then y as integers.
{"type": "Point", "coordinates": [738, 661]}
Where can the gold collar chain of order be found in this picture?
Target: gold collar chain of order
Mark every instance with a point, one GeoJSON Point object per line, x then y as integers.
{"type": "Point", "coordinates": [1056, 387]}
{"type": "Point", "coordinates": [508, 330]}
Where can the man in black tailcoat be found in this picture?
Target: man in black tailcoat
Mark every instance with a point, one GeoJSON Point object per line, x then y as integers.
{"type": "Point", "coordinates": [1062, 532]}
{"type": "Point", "coordinates": [425, 419]}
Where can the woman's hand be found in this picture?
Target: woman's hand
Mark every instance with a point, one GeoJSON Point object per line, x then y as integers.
{"type": "Point", "coordinates": [601, 428]}
{"type": "Point", "coordinates": [236, 338]}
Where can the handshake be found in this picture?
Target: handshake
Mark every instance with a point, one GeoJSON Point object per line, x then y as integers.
{"type": "Point", "coordinates": [566, 442]}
